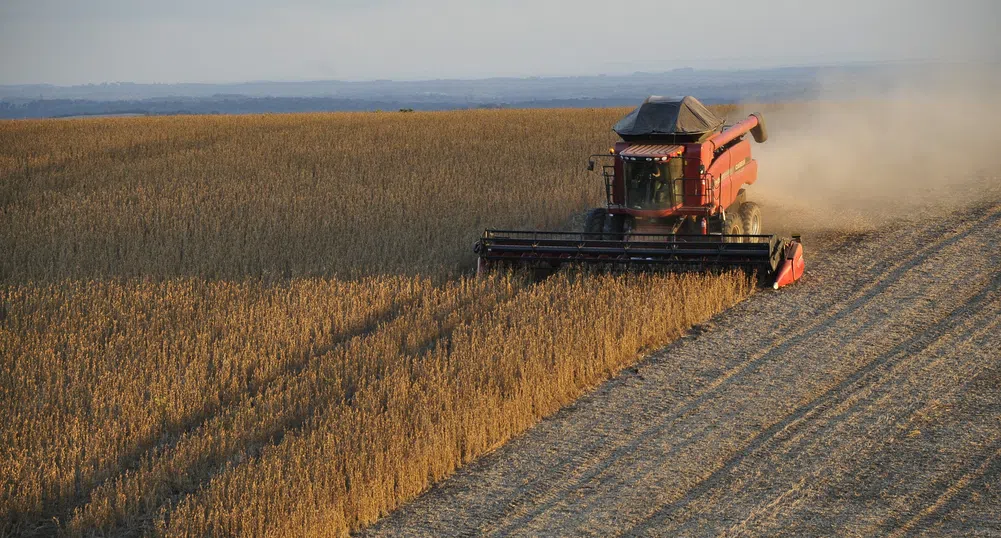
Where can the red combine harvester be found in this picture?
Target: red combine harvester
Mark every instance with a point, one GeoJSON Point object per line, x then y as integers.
{"type": "Point", "coordinates": [675, 198]}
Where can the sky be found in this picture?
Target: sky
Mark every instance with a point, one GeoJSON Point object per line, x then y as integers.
{"type": "Point", "coordinates": [68, 42]}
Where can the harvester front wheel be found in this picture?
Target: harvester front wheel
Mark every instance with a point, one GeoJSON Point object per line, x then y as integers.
{"type": "Point", "coordinates": [594, 222]}
{"type": "Point", "coordinates": [750, 214]}
{"type": "Point", "coordinates": [618, 227]}
{"type": "Point", "coordinates": [733, 225]}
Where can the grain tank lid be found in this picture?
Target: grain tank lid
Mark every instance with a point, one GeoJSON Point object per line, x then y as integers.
{"type": "Point", "coordinates": [661, 117]}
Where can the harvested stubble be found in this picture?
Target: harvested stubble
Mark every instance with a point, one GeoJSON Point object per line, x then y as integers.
{"type": "Point", "coordinates": [160, 375]}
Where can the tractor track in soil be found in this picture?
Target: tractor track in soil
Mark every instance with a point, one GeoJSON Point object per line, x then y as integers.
{"type": "Point", "coordinates": [864, 400]}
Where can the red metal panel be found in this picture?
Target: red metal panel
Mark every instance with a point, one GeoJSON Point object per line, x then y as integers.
{"type": "Point", "coordinates": [792, 266]}
{"type": "Point", "coordinates": [740, 157]}
{"type": "Point", "coordinates": [750, 172]}
{"type": "Point", "coordinates": [740, 151]}
{"type": "Point", "coordinates": [731, 171]}
{"type": "Point", "coordinates": [719, 180]}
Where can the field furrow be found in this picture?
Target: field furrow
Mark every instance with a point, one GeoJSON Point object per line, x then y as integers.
{"type": "Point", "coordinates": [788, 417]}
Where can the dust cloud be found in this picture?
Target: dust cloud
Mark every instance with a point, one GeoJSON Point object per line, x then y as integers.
{"type": "Point", "coordinates": [852, 164]}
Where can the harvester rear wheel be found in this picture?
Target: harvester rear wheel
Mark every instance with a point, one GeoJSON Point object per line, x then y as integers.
{"type": "Point", "coordinates": [594, 222]}
{"type": "Point", "coordinates": [750, 214]}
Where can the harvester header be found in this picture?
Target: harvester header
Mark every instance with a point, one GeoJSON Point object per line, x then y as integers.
{"type": "Point", "coordinates": [675, 198]}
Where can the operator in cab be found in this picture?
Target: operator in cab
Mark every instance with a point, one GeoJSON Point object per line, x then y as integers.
{"type": "Point", "coordinates": [652, 184]}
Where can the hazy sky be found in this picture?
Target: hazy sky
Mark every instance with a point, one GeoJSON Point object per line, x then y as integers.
{"type": "Point", "coordinates": [92, 41]}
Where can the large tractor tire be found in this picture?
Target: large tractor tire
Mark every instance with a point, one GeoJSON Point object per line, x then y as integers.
{"type": "Point", "coordinates": [750, 214]}
{"type": "Point", "coordinates": [618, 227]}
{"type": "Point", "coordinates": [594, 222]}
{"type": "Point", "coordinates": [733, 225]}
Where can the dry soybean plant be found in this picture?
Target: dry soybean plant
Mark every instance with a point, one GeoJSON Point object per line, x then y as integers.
{"type": "Point", "coordinates": [260, 325]}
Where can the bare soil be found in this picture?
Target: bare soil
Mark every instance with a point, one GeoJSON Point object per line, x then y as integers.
{"type": "Point", "coordinates": [862, 401]}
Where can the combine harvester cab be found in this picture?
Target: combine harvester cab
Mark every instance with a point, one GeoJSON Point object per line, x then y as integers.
{"type": "Point", "coordinates": [675, 198]}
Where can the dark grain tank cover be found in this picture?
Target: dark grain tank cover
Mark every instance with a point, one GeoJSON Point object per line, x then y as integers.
{"type": "Point", "coordinates": [669, 119]}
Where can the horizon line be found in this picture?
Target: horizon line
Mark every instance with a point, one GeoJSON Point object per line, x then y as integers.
{"type": "Point", "coordinates": [829, 65]}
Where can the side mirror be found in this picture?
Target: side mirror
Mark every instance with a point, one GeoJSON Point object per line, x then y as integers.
{"type": "Point", "coordinates": [590, 166]}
